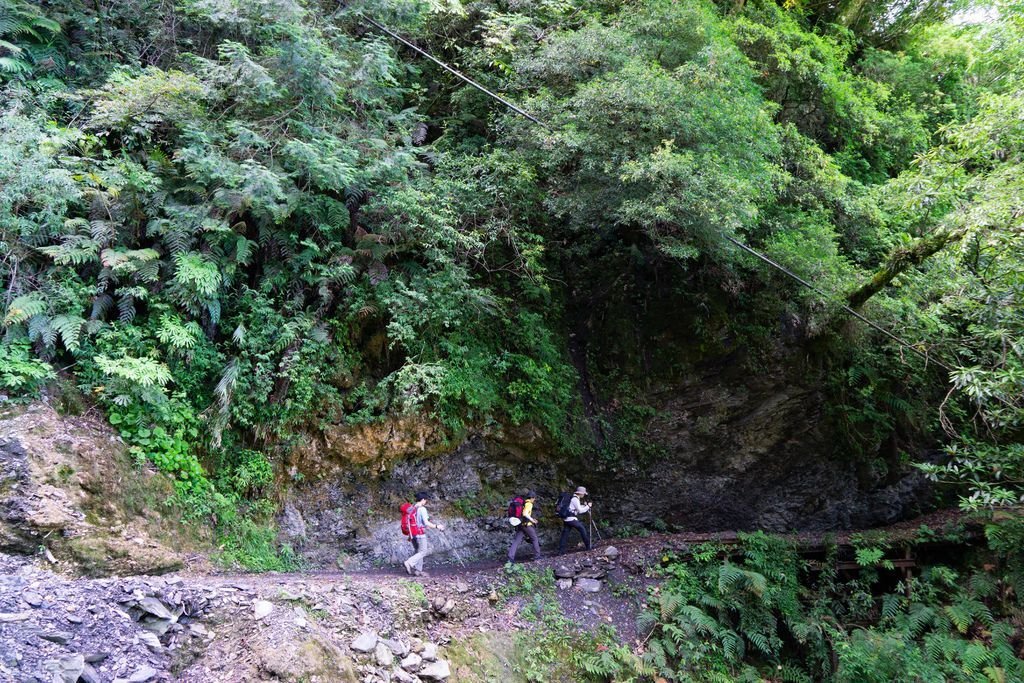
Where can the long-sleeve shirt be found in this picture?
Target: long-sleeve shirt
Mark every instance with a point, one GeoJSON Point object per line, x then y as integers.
{"type": "Point", "coordinates": [576, 508]}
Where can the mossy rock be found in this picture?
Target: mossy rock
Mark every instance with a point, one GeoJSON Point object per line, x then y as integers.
{"type": "Point", "coordinates": [486, 658]}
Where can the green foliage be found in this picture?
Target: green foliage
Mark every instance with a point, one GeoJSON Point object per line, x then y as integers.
{"type": "Point", "coordinates": [520, 580]}
{"type": "Point", "coordinates": [268, 221]}
{"type": "Point", "coordinates": [562, 652]}
{"type": "Point", "coordinates": [767, 617]}
{"type": "Point", "coordinates": [29, 41]}
{"type": "Point", "coordinates": [20, 372]}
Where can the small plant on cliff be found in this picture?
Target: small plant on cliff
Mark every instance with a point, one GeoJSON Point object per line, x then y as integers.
{"type": "Point", "coordinates": [521, 580]}
{"type": "Point", "coordinates": [20, 372]}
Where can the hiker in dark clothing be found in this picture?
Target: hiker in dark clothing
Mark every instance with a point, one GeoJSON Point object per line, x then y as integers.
{"type": "Point", "coordinates": [576, 507]}
{"type": "Point", "coordinates": [526, 528]}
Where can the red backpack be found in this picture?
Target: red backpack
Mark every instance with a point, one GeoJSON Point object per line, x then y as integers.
{"type": "Point", "coordinates": [515, 507]}
{"type": "Point", "coordinates": [410, 525]}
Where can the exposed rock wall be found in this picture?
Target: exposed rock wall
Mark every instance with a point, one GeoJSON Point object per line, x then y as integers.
{"type": "Point", "coordinates": [341, 512]}
{"type": "Point", "coordinates": [739, 454]}
{"type": "Point", "coordinates": [755, 455]}
{"type": "Point", "coordinates": [69, 489]}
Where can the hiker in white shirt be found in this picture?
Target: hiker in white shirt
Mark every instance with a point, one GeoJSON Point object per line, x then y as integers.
{"type": "Point", "coordinates": [576, 508]}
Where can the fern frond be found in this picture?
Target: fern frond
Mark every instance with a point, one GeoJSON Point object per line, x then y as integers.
{"type": "Point", "coordinates": [126, 308]}
{"type": "Point", "coordinates": [669, 604]}
{"type": "Point", "coordinates": [178, 335]}
{"type": "Point", "coordinates": [761, 642]}
{"type": "Point", "coordinates": [24, 307]}
{"type": "Point", "coordinates": [70, 329]}
{"type": "Point", "coordinates": [101, 305]}
{"type": "Point", "coordinates": [39, 329]}
{"type": "Point", "coordinates": [74, 250]}
{"type": "Point", "coordinates": [733, 647]}
{"type": "Point", "coordinates": [144, 372]}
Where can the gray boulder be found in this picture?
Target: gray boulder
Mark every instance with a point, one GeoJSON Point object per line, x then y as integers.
{"type": "Point", "coordinates": [365, 642]}
{"type": "Point", "coordinates": [435, 671]}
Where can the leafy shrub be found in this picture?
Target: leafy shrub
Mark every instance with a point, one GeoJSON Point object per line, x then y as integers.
{"type": "Point", "coordinates": [20, 372]}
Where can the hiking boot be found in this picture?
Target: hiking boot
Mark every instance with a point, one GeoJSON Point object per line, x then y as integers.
{"type": "Point", "coordinates": [408, 568]}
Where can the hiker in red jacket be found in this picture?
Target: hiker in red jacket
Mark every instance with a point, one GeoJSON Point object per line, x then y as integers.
{"type": "Point", "coordinates": [419, 522]}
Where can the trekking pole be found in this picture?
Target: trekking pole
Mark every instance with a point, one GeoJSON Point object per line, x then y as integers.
{"type": "Point", "coordinates": [593, 526]}
{"type": "Point", "coordinates": [455, 552]}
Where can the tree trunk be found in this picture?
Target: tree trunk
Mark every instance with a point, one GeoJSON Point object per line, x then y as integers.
{"type": "Point", "coordinates": [850, 12]}
{"type": "Point", "coordinates": [901, 260]}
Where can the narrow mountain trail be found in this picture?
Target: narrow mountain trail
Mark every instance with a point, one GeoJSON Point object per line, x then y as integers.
{"type": "Point", "coordinates": [200, 625]}
{"type": "Point", "coordinates": [445, 566]}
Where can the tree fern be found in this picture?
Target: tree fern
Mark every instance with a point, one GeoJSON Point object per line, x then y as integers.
{"type": "Point", "coordinates": [27, 39]}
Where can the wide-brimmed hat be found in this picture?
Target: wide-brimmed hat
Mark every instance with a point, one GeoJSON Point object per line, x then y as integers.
{"type": "Point", "coordinates": [581, 490]}
{"type": "Point", "coordinates": [422, 495]}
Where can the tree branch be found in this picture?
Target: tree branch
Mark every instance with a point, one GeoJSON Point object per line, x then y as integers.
{"type": "Point", "coordinates": [901, 260]}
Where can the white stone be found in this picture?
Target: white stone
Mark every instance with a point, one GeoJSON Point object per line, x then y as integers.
{"type": "Point", "coordinates": [151, 641]}
{"type": "Point", "coordinates": [385, 657]}
{"type": "Point", "coordinates": [142, 675]}
{"type": "Point", "coordinates": [402, 677]}
{"type": "Point", "coordinates": [365, 642]}
{"type": "Point", "coordinates": [262, 609]}
{"type": "Point", "coordinates": [435, 671]}
{"type": "Point", "coordinates": [411, 663]}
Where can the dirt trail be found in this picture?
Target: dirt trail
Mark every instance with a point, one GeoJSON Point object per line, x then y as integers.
{"type": "Point", "coordinates": [198, 625]}
{"type": "Point", "coordinates": [443, 566]}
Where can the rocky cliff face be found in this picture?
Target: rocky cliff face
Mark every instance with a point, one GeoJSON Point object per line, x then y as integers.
{"type": "Point", "coordinates": [754, 455]}
{"type": "Point", "coordinates": [69, 490]}
{"type": "Point", "coordinates": [340, 511]}
{"type": "Point", "coordinates": [736, 453]}
{"type": "Point", "coordinates": [732, 453]}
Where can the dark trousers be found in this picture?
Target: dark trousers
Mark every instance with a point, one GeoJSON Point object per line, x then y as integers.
{"type": "Point", "coordinates": [567, 529]}
{"type": "Point", "coordinates": [521, 531]}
